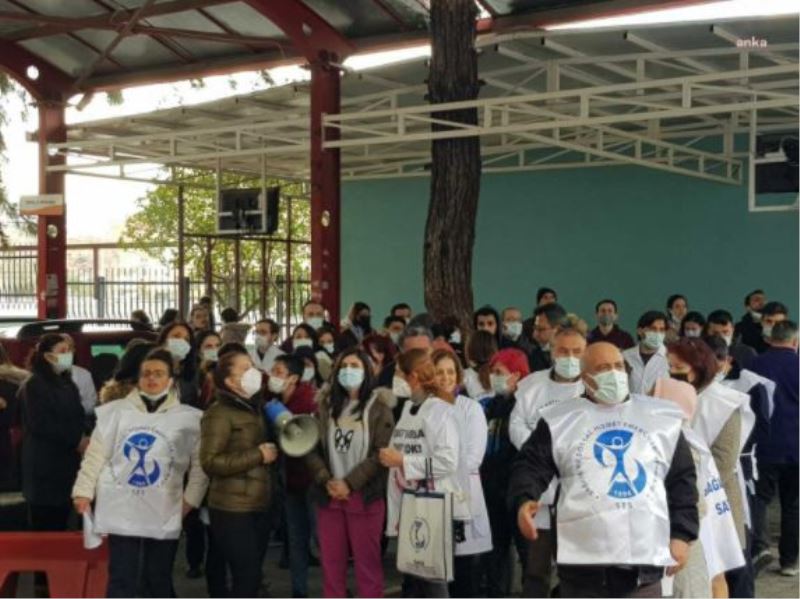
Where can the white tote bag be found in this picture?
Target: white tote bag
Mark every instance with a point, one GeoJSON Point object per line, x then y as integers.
{"type": "Point", "coordinates": [425, 535]}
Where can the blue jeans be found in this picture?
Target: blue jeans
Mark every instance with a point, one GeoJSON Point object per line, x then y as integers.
{"type": "Point", "coordinates": [300, 525]}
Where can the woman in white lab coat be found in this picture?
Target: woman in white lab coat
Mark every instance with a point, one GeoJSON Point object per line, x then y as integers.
{"type": "Point", "coordinates": [473, 432]}
{"type": "Point", "coordinates": [424, 451]}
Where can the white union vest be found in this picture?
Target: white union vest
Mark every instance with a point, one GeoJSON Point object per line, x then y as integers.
{"type": "Point", "coordinates": [140, 489]}
{"type": "Point", "coordinates": [612, 462]}
{"type": "Point", "coordinates": [537, 392]}
{"type": "Point", "coordinates": [718, 534]}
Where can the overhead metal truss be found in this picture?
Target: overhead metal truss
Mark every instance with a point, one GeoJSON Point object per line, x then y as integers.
{"type": "Point", "coordinates": [545, 104]}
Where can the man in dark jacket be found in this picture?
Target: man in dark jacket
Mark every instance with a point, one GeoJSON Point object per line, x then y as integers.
{"type": "Point", "coordinates": [720, 322]}
{"type": "Point", "coordinates": [748, 329]}
{"type": "Point", "coordinates": [778, 454]}
{"type": "Point", "coordinates": [611, 539]}
{"type": "Point", "coordinates": [546, 319]}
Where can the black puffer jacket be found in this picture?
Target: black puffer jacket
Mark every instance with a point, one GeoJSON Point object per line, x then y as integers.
{"type": "Point", "coordinates": [53, 422]}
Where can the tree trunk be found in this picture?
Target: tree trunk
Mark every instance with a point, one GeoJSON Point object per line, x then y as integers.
{"type": "Point", "coordinates": [456, 164]}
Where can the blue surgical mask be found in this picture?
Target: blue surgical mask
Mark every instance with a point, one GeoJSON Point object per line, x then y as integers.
{"type": "Point", "coordinates": [499, 383]}
{"type": "Point", "coordinates": [612, 386]}
{"type": "Point", "coordinates": [351, 378]}
{"type": "Point", "coordinates": [653, 339]}
{"type": "Point", "coordinates": [568, 367]}
{"type": "Point", "coordinates": [179, 348]}
{"type": "Point", "coordinates": [315, 322]}
{"type": "Point", "coordinates": [304, 342]}
{"type": "Point", "coordinates": [211, 355]}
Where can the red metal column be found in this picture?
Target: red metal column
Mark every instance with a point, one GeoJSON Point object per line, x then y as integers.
{"type": "Point", "coordinates": [325, 192]}
{"type": "Point", "coordinates": [51, 282]}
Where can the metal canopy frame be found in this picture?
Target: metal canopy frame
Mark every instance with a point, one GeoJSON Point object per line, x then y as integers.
{"type": "Point", "coordinates": [547, 103]}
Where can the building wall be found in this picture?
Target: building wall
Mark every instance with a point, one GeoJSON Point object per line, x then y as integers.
{"type": "Point", "coordinates": [630, 233]}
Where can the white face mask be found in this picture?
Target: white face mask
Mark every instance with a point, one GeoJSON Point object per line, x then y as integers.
{"type": "Point", "coordinates": [612, 386]}
{"type": "Point", "coordinates": [154, 396]}
{"type": "Point", "coordinates": [766, 330]}
{"type": "Point", "coordinates": [304, 342]}
{"type": "Point", "coordinates": [568, 367]}
{"type": "Point", "coordinates": [756, 315]}
{"type": "Point", "coordinates": [263, 342]}
{"type": "Point", "coordinates": [276, 385]}
{"type": "Point", "coordinates": [308, 374]}
{"type": "Point", "coordinates": [728, 339]}
{"type": "Point", "coordinates": [395, 337]}
{"type": "Point", "coordinates": [315, 322]}
{"type": "Point", "coordinates": [329, 347]}
{"type": "Point", "coordinates": [694, 333]}
{"type": "Point", "coordinates": [251, 382]}
{"type": "Point", "coordinates": [455, 337]}
{"type": "Point", "coordinates": [513, 329]}
{"type": "Point", "coordinates": [179, 348]}
{"type": "Point", "coordinates": [653, 339]}
{"type": "Point", "coordinates": [210, 355]}
{"type": "Point", "coordinates": [499, 383]}
{"type": "Point", "coordinates": [400, 387]}
{"type": "Point", "coordinates": [63, 362]}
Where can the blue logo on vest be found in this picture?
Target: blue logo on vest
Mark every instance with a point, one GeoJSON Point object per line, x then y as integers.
{"type": "Point", "coordinates": [617, 442]}
{"type": "Point", "coordinates": [136, 448]}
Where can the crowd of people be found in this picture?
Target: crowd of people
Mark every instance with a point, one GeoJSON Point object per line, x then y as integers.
{"type": "Point", "coordinates": [609, 464]}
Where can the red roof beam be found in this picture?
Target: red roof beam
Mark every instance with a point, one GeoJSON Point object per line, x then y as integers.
{"type": "Point", "coordinates": [51, 84]}
{"type": "Point", "coordinates": [311, 35]}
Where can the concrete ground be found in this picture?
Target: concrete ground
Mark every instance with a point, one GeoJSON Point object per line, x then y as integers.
{"type": "Point", "coordinates": [769, 584]}
{"type": "Point", "coordinates": [277, 584]}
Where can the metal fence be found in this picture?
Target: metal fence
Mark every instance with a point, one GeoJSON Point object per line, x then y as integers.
{"type": "Point", "coordinates": [118, 291]}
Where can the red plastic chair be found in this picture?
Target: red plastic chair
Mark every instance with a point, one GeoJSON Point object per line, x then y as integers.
{"type": "Point", "coordinates": [71, 570]}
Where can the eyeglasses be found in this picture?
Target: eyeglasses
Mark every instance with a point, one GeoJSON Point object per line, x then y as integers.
{"type": "Point", "coordinates": [154, 374]}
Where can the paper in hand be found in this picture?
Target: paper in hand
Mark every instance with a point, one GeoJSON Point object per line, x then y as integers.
{"type": "Point", "coordinates": [91, 540]}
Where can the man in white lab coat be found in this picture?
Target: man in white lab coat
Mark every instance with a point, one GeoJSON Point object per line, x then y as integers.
{"type": "Point", "coordinates": [536, 392]}
{"type": "Point", "coordinates": [647, 360]}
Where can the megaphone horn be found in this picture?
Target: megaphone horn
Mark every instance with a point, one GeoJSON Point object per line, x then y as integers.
{"type": "Point", "coordinates": [297, 435]}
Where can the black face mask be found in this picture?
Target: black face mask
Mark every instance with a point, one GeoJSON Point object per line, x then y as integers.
{"type": "Point", "coordinates": [680, 376]}
{"type": "Point", "coordinates": [364, 322]}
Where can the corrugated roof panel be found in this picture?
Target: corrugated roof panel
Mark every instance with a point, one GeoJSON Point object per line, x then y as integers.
{"type": "Point", "coordinates": [62, 51]}
{"type": "Point", "coordinates": [243, 19]}
{"type": "Point", "coordinates": [355, 18]}
{"type": "Point", "coordinates": [141, 51]}
{"type": "Point", "coordinates": [192, 20]}
{"type": "Point", "coordinates": [73, 8]}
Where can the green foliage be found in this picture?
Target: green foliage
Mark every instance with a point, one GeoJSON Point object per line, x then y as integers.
{"type": "Point", "coordinates": [155, 224]}
{"type": "Point", "coordinates": [8, 211]}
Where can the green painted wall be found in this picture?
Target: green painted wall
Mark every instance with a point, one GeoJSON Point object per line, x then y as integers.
{"type": "Point", "coordinates": [630, 233]}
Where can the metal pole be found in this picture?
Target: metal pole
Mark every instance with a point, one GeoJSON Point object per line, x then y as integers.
{"type": "Point", "coordinates": [181, 258]}
{"type": "Point", "coordinates": [209, 269]}
{"type": "Point", "coordinates": [237, 282]}
{"type": "Point", "coordinates": [262, 303]}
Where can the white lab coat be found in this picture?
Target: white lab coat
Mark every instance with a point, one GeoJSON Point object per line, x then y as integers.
{"type": "Point", "coordinates": [429, 442]}
{"type": "Point", "coordinates": [535, 392]}
{"type": "Point", "coordinates": [86, 389]}
{"type": "Point", "coordinates": [265, 364]}
{"type": "Point", "coordinates": [473, 432]}
{"type": "Point", "coordinates": [643, 376]}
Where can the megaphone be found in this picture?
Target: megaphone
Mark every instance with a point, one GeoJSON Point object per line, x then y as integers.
{"type": "Point", "coordinates": [297, 435]}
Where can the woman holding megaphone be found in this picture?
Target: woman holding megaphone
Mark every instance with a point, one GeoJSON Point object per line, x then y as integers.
{"type": "Point", "coordinates": [236, 455]}
{"type": "Point", "coordinates": [350, 482]}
